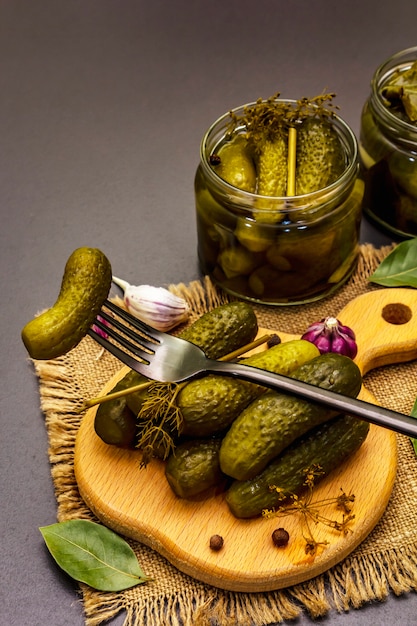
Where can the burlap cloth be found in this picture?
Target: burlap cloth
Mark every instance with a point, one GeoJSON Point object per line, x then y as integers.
{"type": "Point", "coordinates": [385, 562]}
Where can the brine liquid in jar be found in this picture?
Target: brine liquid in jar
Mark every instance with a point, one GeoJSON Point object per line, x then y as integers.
{"type": "Point", "coordinates": [388, 146]}
{"type": "Point", "coordinates": [276, 250]}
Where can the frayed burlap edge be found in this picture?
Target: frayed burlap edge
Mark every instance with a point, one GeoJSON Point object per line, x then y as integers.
{"type": "Point", "coordinates": [351, 584]}
{"type": "Point", "coordinates": [357, 580]}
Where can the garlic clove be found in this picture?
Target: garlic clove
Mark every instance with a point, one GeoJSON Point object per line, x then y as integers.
{"type": "Point", "coordinates": [155, 306]}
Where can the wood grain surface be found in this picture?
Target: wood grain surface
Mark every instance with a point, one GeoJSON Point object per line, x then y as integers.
{"type": "Point", "coordinates": [139, 503]}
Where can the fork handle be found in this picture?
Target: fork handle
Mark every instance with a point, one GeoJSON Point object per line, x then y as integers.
{"type": "Point", "coordinates": [398, 422]}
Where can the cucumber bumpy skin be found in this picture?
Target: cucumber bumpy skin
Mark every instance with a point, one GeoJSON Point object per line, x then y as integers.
{"type": "Point", "coordinates": [272, 168]}
{"type": "Point", "coordinates": [274, 420]}
{"type": "Point", "coordinates": [320, 156]}
{"type": "Point", "coordinates": [223, 329]}
{"type": "Point", "coordinates": [326, 446]}
{"type": "Point", "coordinates": [210, 404]}
{"type": "Point", "coordinates": [194, 467]}
{"type": "Point", "coordinates": [85, 286]}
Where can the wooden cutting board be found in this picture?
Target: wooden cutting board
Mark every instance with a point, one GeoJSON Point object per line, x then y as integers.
{"type": "Point", "coordinates": [139, 504]}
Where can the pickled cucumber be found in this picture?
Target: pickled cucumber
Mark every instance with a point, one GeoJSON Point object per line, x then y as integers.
{"type": "Point", "coordinates": [274, 420]}
{"type": "Point", "coordinates": [84, 288]}
{"type": "Point", "coordinates": [118, 428]}
{"type": "Point", "coordinates": [271, 165]}
{"type": "Point", "coordinates": [194, 467]}
{"type": "Point", "coordinates": [236, 165]}
{"type": "Point", "coordinates": [326, 446]}
{"type": "Point", "coordinates": [254, 236]}
{"type": "Point", "coordinates": [210, 404]}
{"type": "Point", "coordinates": [114, 422]}
{"type": "Point", "coordinates": [320, 156]}
{"type": "Point", "coordinates": [237, 261]}
{"type": "Point", "coordinates": [223, 329]}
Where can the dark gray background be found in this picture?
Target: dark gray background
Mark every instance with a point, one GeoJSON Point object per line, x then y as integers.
{"type": "Point", "coordinates": [102, 107]}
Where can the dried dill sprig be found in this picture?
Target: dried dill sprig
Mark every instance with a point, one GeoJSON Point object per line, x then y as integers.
{"type": "Point", "coordinates": [159, 421]}
{"type": "Point", "coordinates": [310, 510]}
{"type": "Point", "coordinates": [159, 418]}
{"type": "Point", "coordinates": [268, 118]}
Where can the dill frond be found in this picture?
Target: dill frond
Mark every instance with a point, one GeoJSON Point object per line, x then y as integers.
{"type": "Point", "coordinates": [310, 510]}
{"type": "Point", "coordinates": [159, 421]}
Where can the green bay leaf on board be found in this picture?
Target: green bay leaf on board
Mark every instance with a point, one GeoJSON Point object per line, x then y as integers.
{"type": "Point", "coordinates": [399, 268]}
{"type": "Point", "coordinates": [93, 554]}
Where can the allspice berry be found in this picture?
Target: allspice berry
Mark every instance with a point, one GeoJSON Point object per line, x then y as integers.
{"type": "Point", "coordinates": [280, 537]}
{"type": "Point", "coordinates": [274, 340]}
{"type": "Point", "coordinates": [216, 542]}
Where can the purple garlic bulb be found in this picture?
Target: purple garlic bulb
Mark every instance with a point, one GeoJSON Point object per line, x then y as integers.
{"type": "Point", "coordinates": [329, 335]}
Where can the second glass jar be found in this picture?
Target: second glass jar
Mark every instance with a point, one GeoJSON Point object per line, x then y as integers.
{"type": "Point", "coordinates": [388, 151]}
{"type": "Point", "coordinates": [305, 252]}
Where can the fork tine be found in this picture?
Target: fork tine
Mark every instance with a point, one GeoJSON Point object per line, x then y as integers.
{"type": "Point", "coordinates": [152, 333]}
{"type": "Point", "coordinates": [125, 358]}
{"type": "Point", "coordinates": [136, 349]}
{"type": "Point", "coordinates": [112, 321]}
{"type": "Point", "coordinates": [142, 345]}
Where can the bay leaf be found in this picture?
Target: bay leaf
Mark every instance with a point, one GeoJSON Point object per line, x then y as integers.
{"type": "Point", "coordinates": [399, 268]}
{"type": "Point", "coordinates": [93, 554]}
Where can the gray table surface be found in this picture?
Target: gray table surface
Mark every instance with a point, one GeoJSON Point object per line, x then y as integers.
{"type": "Point", "coordinates": [102, 107]}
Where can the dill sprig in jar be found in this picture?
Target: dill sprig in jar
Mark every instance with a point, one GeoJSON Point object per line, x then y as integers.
{"type": "Point", "coordinates": [278, 201]}
{"type": "Point", "coordinates": [388, 145]}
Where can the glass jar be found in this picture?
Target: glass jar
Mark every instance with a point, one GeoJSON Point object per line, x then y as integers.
{"type": "Point", "coordinates": [388, 155]}
{"type": "Point", "coordinates": [304, 253]}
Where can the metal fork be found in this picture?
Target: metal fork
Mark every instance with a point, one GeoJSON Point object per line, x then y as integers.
{"type": "Point", "coordinates": [162, 357]}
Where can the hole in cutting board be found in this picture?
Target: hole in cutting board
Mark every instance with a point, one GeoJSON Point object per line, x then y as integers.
{"type": "Point", "coordinates": [397, 313]}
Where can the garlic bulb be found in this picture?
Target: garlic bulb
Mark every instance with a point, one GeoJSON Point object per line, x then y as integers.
{"type": "Point", "coordinates": [329, 335]}
{"type": "Point", "coordinates": [155, 306]}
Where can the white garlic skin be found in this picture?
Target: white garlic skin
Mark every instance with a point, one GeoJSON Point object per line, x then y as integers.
{"type": "Point", "coordinates": [156, 306]}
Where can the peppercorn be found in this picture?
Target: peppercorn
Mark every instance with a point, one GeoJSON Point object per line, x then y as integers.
{"type": "Point", "coordinates": [280, 537]}
{"type": "Point", "coordinates": [274, 340]}
{"type": "Point", "coordinates": [216, 542]}
{"type": "Point", "coordinates": [215, 159]}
